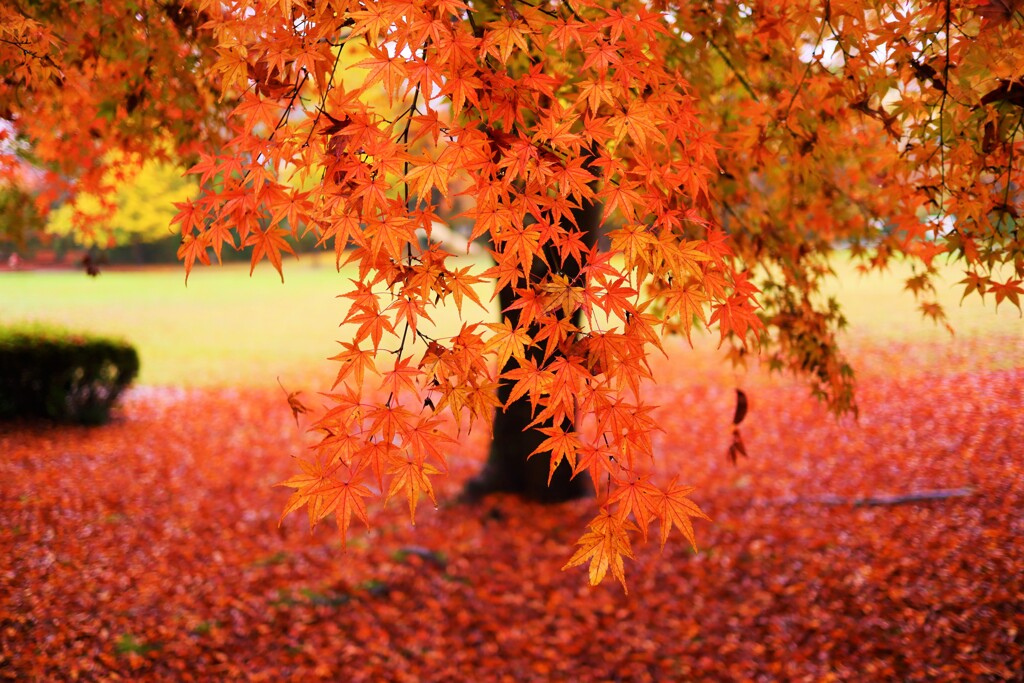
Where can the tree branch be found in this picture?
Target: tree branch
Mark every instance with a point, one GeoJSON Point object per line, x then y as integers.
{"type": "Point", "coordinates": [881, 499]}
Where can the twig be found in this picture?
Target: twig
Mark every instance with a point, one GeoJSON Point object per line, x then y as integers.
{"type": "Point", "coordinates": [732, 67]}
{"type": "Point", "coordinates": [810, 63]}
{"type": "Point", "coordinates": [882, 499]}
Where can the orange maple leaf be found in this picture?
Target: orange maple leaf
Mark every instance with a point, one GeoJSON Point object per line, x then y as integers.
{"type": "Point", "coordinates": [508, 341]}
{"type": "Point", "coordinates": [269, 243]}
{"type": "Point", "coordinates": [412, 478]}
{"type": "Point", "coordinates": [604, 546]}
{"type": "Point", "coordinates": [324, 490]}
{"type": "Point", "coordinates": [561, 444]}
{"type": "Point", "coordinates": [674, 508]}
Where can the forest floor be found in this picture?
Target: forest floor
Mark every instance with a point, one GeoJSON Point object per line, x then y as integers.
{"type": "Point", "coordinates": [149, 548]}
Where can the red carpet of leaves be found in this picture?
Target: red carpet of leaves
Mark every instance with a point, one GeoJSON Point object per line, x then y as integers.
{"type": "Point", "coordinates": [149, 549]}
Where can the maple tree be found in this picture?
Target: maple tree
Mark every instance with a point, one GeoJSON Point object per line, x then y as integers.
{"type": "Point", "coordinates": [724, 150]}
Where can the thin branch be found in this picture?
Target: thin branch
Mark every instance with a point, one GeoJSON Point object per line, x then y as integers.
{"type": "Point", "coordinates": [404, 138]}
{"type": "Point", "coordinates": [732, 67]}
{"type": "Point", "coordinates": [1009, 167]}
{"type": "Point", "coordinates": [575, 14]}
{"type": "Point", "coordinates": [942, 120]}
{"type": "Point", "coordinates": [477, 33]}
{"type": "Point", "coordinates": [539, 8]}
{"type": "Point", "coordinates": [30, 53]}
{"type": "Point", "coordinates": [817, 44]}
{"type": "Point", "coordinates": [327, 90]}
{"type": "Point", "coordinates": [282, 121]}
{"type": "Point", "coordinates": [881, 499]}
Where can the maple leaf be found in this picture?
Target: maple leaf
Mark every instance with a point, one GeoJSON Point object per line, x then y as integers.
{"type": "Point", "coordinates": [741, 407]}
{"type": "Point", "coordinates": [410, 309]}
{"type": "Point", "coordinates": [632, 241]}
{"type": "Point", "coordinates": [716, 245]}
{"type": "Point", "coordinates": [570, 244]}
{"type": "Point", "coordinates": [192, 248]}
{"type": "Point", "coordinates": [604, 546]}
{"type": "Point", "coordinates": [293, 207]}
{"type": "Point", "coordinates": [390, 70]}
{"type": "Point", "coordinates": [218, 234]}
{"type": "Point", "coordinates": [602, 55]}
{"type": "Point", "coordinates": [294, 404]}
{"type": "Point", "coordinates": [557, 334]}
{"type": "Point", "coordinates": [530, 380]}
{"type": "Point", "coordinates": [675, 508]}
{"type": "Point", "coordinates": [346, 498]}
{"type": "Point", "coordinates": [974, 282]}
{"type": "Point", "coordinates": [489, 219]}
{"type": "Point", "coordinates": [559, 292]}
{"type": "Point", "coordinates": [567, 378]}
{"type": "Point", "coordinates": [504, 36]}
{"type": "Point", "coordinates": [687, 303]}
{"type": "Point", "coordinates": [390, 422]}
{"type": "Point", "coordinates": [373, 19]}
{"type": "Point", "coordinates": [565, 31]}
{"type": "Point", "coordinates": [1010, 290]}
{"type": "Point", "coordinates": [623, 197]}
{"type": "Point", "coordinates": [460, 90]}
{"type": "Point", "coordinates": [269, 243]}
{"type": "Point", "coordinates": [561, 444]}
{"type": "Point", "coordinates": [256, 110]}
{"type": "Point", "coordinates": [324, 490]}
{"type": "Point", "coordinates": [427, 439]}
{"type": "Point", "coordinates": [736, 316]}
{"type": "Point", "coordinates": [305, 483]}
{"type": "Point", "coordinates": [639, 498]}
{"type": "Point", "coordinates": [412, 478]}
{"type": "Point", "coordinates": [599, 460]}
{"type": "Point", "coordinates": [460, 284]}
{"type": "Point", "coordinates": [639, 121]}
{"type": "Point", "coordinates": [190, 216]}
{"type": "Point", "coordinates": [615, 299]}
{"type": "Point", "coordinates": [426, 174]}
{"type": "Point", "coordinates": [508, 341]}
{"type": "Point", "coordinates": [403, 375]}
{"type": "Point", "coordinates": [373, 325]}
{"type": "Point", "coordinates": [596, 92]}
{"type": "Point", "coordinates": [736, 448]}
{"type": "Point", "coordinates": [234, 70]}
{"type": "Point", "coordinates": [354, 360]}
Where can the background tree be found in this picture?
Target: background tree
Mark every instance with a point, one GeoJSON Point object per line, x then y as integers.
{"type": "Point", "coordinates": [90, 90]}
{"type": "Point", "coordinates": [20, 217]}
{"type": "Point", "coordinates": [139, 210]}
{"type": "Point", "coordinates": [727, 149]}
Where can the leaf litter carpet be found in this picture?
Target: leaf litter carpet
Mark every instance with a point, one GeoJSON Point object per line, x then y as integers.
{"type": "Point", "coordinates": [149, 549]}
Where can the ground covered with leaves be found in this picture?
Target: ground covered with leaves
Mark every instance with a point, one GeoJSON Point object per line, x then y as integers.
{"type": "Point", "coordinates": [149, 549]}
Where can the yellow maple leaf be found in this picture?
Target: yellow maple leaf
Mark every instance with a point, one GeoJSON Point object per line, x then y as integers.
{"type": "Point", "coordinates": [604, 546]}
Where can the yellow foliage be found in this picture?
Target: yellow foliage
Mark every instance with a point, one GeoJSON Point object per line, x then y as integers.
{"type": "Point", "coordinates": [139, 211]}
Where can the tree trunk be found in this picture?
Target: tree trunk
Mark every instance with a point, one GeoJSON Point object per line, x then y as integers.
{"type": "Point", "coordinates": [508, 470]}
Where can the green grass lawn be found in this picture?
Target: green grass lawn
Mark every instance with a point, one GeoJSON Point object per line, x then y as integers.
{"type": "Point", "coordinates": [226, 328]}
{"type": "Point", "coordinates": [877, 305]}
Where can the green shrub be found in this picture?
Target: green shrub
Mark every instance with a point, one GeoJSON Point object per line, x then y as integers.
{"type": "Point", "coordinates": [48, 372]}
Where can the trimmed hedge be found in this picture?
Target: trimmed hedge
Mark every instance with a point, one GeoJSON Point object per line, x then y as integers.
{"type": "Point", "coordinates": [65, 376]}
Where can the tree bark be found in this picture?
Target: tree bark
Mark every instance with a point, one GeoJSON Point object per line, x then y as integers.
{"type": "Point", "coordinates": [508, 468]}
